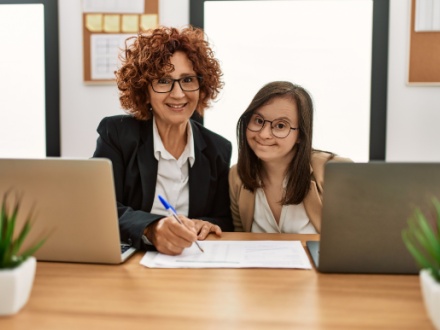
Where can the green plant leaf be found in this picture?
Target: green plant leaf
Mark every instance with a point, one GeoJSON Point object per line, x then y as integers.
{"type": "Point", "coordinates": [422, 239]}
{"type": "Point", "coordinates": [431, 242]}
{"type": "Point", "coordinates": [436, 204]}
{"type": "Point", "coordinates": [21, 236]}
{"type": "Point", "coordinates": [416, 235]}
{"type": "Point", "coordinates": [30, 251]}
{"type": "Point", "coordinates": [9, 233]}
{"type": "Point", "coordinates": [418, 256]}
{"type": "Point", "coordinates": [7, 238]}
{"type": "Point", "coordinates": [9, 245]}
{"type": "Point", "coordinates": [422, 233]}
{"type": "Point", "coordinates": [2, 218]}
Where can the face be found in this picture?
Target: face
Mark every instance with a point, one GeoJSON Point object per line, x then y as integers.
{"type": "Point", "coordinates": [177, 106]}
{"type": "Point", "coordinates": [265, 145]}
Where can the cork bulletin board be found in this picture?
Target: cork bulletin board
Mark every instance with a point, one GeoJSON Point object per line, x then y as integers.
{"type": "Point", "coordinates": [424, 53]}
{"type": "Point", "coordinates": [106, 25]}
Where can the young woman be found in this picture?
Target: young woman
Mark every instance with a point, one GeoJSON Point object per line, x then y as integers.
{"type": "Point", "coordinates": [166, 76]}
{"type": "Point", "coordinates": [277, 184]}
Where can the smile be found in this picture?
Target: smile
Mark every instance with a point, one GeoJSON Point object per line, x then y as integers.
{"type": "Point", "coordinates": [264, 145]}
{"type": "Point", "coordinates": [177, 106]}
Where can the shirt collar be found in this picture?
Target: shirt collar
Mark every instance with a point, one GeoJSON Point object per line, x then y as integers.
{"type": "Point", "coordinates": [161, 152]}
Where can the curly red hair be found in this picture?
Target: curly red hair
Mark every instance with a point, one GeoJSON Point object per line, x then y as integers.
{"type": "Point", "coordinates": [147, 57]}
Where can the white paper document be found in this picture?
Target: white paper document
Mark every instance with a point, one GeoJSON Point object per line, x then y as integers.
{"type": "Point", "coordinates": [113, 6]}
{"type": "Point", "coordinates": [104, 52]}
{"type": "Point", "coordinates": [427, 16]}
{"type": "Point", "coordinates": [234, 254]}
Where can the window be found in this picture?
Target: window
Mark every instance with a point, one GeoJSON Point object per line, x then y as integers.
{"type": "Point", "coordinates": [29, 106]}
{"type": "Point", "coordinates": [336, 49]}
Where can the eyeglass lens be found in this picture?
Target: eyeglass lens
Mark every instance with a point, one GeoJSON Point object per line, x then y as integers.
{"type": "Point", "coordinates": [280, 128]}
{"type": "Point", "coordinates": [165, 85]}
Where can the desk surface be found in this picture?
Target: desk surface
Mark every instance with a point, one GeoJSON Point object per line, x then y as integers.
{"type": "Point", "coordinates": [130, 296]}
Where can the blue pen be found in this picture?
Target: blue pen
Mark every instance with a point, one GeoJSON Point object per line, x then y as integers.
{"type": "Point", "coordinates": [167, 206]}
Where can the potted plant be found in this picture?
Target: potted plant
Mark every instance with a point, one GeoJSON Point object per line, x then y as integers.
{"type": "Point", "coordinates": [422, 239]}
{"type": "Point", "coordinates": [17, 268]}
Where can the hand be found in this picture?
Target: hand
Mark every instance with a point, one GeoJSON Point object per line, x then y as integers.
{"type": "Point", "coordinates": [171, 237]}
{"type": "Point", "coordinates": [204, 228]}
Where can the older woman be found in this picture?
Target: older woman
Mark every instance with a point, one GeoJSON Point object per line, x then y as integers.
{"type": "Point", "coordinates": [167, 75]}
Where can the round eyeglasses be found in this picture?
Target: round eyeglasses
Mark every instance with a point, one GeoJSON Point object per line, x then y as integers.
{"type": "Point", "coordinates": [280, 128]}
{"type": "Point", "coordinates": [166, 85]}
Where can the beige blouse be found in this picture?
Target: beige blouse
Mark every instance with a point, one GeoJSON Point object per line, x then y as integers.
{"type": "Point", "coordinates": [243, 201]}
{"type": "Point", "coordinates": [293, 218]}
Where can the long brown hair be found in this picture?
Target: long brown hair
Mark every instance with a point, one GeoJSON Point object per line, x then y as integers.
{"type": "Point", "coordinates": [298, 172]}
{"type": "Point", "coordinates": [147, 57]}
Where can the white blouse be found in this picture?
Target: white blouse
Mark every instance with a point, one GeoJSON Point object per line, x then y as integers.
{"type": "Point", "coordinates": [293, 219]}
{"type": "Point", "coordinates": [172, 174]}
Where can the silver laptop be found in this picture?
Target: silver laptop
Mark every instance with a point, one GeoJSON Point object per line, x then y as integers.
{"type": "Point", "coordinates": [74, 204]}
{"type": "Point", "coordinates": [365, 208]}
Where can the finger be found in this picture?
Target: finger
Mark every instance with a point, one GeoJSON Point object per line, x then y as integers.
{"type": "Point", "coordinates": [190, 224]}
{"type": "Point", "coordinates": [169, 249]}
{"type": "Point", "coordinates": [171, 245]}
{"type": "Point", "coordinates": [165, 242]}
{"type": "Point", "coordinates": [172, 237]}
{"type": "Point", "coordinates": [183, 232]}
{"type": "Point", "coordinates": [184, 228]}
{"type": "Point", "coordinates": [203, 232]}
{"type": "Point", "coordinates": [207, 229]}
{"type": "Point", "coordinates": [199, 224]}
{"type": "Point", "coordinates": [217, 230]}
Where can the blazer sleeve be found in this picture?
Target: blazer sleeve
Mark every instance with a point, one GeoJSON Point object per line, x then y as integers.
{"type": "Point", "coordinates": [115, 143]}
{"type": "Point", "coordinates": [318, 162]}
{"type": "Point", "coordinates": [209, 188]}
{"type": "Point", "coordinates": [220, 214]}
{"type": "Point", "coordinates": [234, 193]}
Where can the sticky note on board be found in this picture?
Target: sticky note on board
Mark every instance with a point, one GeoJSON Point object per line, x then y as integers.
{"type": "Point", "coordinates": [148, 21]}
{"type": "Point", "coordinates": [130, 23]}
{"type": "Point", "coordinates": [94, 22]}
{"type": "Point", "coordinates": [112, 23]}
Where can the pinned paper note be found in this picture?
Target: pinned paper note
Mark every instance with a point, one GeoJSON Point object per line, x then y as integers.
{"type": "Point", "coordinates": [113, 6]}
{"type": "Point", "coordinates": [104, 49]}
{"type": "Point", "coordinates": [94, 22]}
{"type": "Point", "coordinates": [427, 16]}
{"type": "Point", "coordinates": [130, 23]}
{"type": "Point", "coordinates": [111, 23]}
{"type": "Point", "coordinates": [148, 21]}
{"type": "Point", "coordinates": [106, 25]}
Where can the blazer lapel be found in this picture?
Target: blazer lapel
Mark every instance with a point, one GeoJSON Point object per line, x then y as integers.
{"type": "Point", "coordinates": [199, 176]}
{"type": "Point", "coordinates": [312, 203]}
{"type": "Point", "coordinates": [147, 165]}
{"type": "Point", "coordinates": [247, 207]}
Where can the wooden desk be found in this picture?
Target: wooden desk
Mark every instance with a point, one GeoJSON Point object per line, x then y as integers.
{"type": "Point", "coordinates": [130, 296]}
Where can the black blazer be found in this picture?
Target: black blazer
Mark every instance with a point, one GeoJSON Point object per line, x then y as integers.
{"type": "Point", "coordinates": [128, 143]}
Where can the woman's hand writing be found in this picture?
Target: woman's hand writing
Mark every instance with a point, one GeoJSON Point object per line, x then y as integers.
{"type": "Point", "coordinates": [171, 237]}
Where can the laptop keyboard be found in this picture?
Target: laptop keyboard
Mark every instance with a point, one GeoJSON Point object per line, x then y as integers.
{"type": "Point", "coordinates": [124, 247]}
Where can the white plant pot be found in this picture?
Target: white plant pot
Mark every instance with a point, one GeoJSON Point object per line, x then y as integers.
{"type": "Point", "coordinates": [431, 296]}
{"type": "Point", "coordinates": [16, 286]}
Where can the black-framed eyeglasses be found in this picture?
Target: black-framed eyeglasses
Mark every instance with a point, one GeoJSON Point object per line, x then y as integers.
{"type": "Point", "coordinates": [166, 85]}
{"type": "Point", "coordinates": [280, 128]}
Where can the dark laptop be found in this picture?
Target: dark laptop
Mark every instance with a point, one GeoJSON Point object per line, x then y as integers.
{"type": "Point", "coordinates": [73, 201]}
{"type": "Point", "coordinates": [365, 208]}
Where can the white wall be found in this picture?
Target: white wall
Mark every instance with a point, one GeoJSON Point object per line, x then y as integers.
{"type": "Point", "coordinates": [316, 58]}
{"type": "Point", "coordinates": [413, 112]}
{"type": "Point", "coordinates": [22, 126]}
{"type": "Point", "coordinates": [83, 106]}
